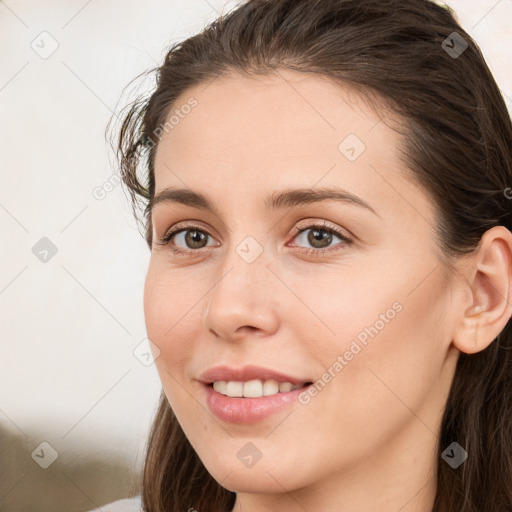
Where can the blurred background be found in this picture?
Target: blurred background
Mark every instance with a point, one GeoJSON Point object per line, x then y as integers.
{"type": "Point", "coordinates": [78, 389]}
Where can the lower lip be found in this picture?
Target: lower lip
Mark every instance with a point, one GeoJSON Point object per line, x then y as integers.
{"type": "Point", "coordinates": [248, 410]}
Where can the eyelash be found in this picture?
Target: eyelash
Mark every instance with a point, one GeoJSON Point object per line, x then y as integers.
{"type": "Point", "coordinates": [165, 241]}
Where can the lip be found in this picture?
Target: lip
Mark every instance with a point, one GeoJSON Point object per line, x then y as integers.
{"type": "Point", "coordinates": [249, 372]}
{"type": "Point", "coordinates": [248, 410]}
{"type": "Point", "coordinates": [244, 410]}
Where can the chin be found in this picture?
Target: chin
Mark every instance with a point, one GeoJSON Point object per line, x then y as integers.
{"type": "Point", "coordinates": [253, 481]}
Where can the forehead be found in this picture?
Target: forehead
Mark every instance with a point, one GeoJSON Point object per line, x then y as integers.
{"type": "Point", "coordinates": [288, 113]}
{"type": "Point", "coordinates": [249, 135]}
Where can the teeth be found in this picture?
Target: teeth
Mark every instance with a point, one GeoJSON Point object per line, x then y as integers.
{"type": "Point", "coordinates": [234, 388]}
{"type": "Point", "coordinates": [284, 387]}
{"type": "Point", "coordinates": [221, 386]}
{"type": "Point", "coordinates": [253, 388]}
{"type": "Point", "coordinates": [270, 387]}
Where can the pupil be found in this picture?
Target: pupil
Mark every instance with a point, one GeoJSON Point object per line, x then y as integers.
{"type": "Point", "coordinates": [317, 236]}
{"type": "Point", "coordinates": [195, 237]}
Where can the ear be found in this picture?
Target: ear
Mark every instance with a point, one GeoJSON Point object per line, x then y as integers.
{"type": "Point", "coordinates": [486, 306]}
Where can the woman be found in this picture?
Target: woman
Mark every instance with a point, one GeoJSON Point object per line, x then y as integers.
{"type": "Point", "coordinates": [327, 201]}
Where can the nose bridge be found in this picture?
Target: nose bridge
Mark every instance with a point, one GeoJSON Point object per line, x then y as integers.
{"type": "Point", "coordinates": [243, 271]}
{"type": "Point", "coordinates": [241, 297]}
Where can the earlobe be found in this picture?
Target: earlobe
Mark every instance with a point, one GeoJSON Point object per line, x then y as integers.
{"type": "Point", "coordinates": [487, 305]}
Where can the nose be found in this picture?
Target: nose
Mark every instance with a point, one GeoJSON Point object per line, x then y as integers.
{"type": "Point", "coordinates": [245, 298]}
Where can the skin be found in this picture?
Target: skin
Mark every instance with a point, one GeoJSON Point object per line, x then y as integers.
{"type": "Point", "coordinates": [368, 440]}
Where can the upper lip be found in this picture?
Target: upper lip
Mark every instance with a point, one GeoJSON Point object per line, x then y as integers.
{"type": "Point", "coordinates": [250, 372]}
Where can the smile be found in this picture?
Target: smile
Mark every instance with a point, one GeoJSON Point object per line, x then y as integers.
{"type": "Point", "coordinates": [246, 410]}
{"type": "Point", "coordinates": [253, 388]}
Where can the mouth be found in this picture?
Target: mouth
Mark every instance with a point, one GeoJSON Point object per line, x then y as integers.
{"type": "Point", "coordinates": [251, 393]}
{"type": "Point", "coordinates": [255, 388]}
{"type": "Point", "coordinates": [252, 401]}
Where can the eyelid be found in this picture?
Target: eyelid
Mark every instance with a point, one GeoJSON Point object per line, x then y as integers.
{"type": "Point", "coordinates": [177, 228]}
{"type": "Point", "coordinates": [186, 224]}
{"type": "Point", "coordinates": [319, 223]}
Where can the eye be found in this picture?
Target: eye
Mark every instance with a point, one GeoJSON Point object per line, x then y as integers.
{"type": "Point", "coordinates": [320, 237]}
{"type": "Point", "coordinates": [192, 237]}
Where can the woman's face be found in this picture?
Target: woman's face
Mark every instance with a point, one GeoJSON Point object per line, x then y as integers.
{"type": "Point", "coordinates": [369, 318]}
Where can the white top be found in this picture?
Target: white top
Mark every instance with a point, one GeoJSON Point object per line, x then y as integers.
{"type": "Point", "coordinates": [127, 505]}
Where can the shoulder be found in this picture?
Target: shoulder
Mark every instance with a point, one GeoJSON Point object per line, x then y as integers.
{"type": "Point", "coordinates": [126, 505]}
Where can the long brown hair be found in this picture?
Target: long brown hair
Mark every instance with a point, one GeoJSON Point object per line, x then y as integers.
{"type": "Point", "coordinates": [458, 146]}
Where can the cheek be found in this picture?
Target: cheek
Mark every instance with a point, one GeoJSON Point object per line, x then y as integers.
{"type": "Point", "coordinates": [170, 299]}
{"type": "Point", "coordinates": [394, 374]}
{"type": "Point", "coordinates": [170, 324]}
{"type": "Point", "coordinates": [386, 310]}
{"type": "Point", "coordinates": [169, 316]}
{"type": "Point", "coordinates": [351, 312]}
{"type": "Point", "coordinates": [384, 349]}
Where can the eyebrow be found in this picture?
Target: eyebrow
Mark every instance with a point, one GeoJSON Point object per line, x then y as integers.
{"type": "Point", "coordinates": [275, 201]}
